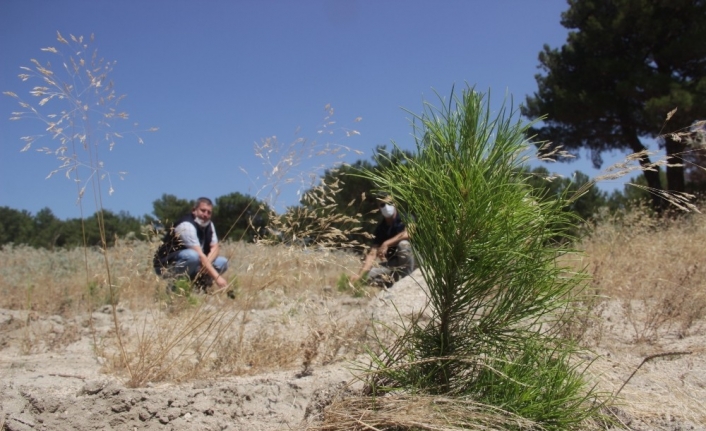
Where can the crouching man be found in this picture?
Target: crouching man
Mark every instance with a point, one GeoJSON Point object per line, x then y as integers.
{"type": "Point", "coordinates": [391, 245]}
{"type": "Point", "coordinates": [190, 248]}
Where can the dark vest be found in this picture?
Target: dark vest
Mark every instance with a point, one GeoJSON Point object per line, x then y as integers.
{"type": "Point", "coordinates": [171, 244]}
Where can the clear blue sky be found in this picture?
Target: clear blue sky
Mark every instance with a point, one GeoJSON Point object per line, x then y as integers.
{"type": "Point", "coordinates": [217, 77]}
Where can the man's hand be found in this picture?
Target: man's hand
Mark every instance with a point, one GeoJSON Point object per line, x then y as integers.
{"type": "Point", "coordinates": [221, 282]}
{"type": "Point", "coordinates": [382, 251]}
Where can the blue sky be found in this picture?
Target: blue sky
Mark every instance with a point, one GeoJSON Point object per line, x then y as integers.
{"type": "Point", "coordinates": [219, 77]}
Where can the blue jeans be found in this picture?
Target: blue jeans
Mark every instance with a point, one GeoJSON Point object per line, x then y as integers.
{"type": "Point", "coordinates": [188, 262]}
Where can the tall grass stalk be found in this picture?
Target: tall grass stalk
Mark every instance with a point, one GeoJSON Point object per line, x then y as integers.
{"type": "Point", "coordinates": [78, 106]}
{"type": "Point", "coordinates": [80, 109]}
{"type": "Point", "coordinates": [488, 253]}
{"type": "Point", "coordinates": [317, 220]}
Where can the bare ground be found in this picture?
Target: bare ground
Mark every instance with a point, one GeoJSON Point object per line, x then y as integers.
{"type": "Point", "coordinates": [45, 388]}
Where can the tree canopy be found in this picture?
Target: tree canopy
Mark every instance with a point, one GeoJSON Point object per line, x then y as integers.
{"type": "Point", "coordinates": [170, 208]}
{"type": "Point", "coordinates": [627, 67]}
{"type": "Point", "coordinates": [238, 216]}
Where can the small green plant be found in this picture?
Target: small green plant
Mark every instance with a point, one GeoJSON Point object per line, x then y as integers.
{"type": "Point", "coordinates": [497, 296]}
{"type": "Point", "coordinates": [356, 289]}
{"type": "Point", "coordinates": [98, 295]}
{"type": "Point", "coordinates": [93, 288]}
{"type": "Point", "coordinates": [182, 286]}
{"type": "Point", "coordinates": [234, 287]}
{"type": "Point", "coordinates": [181, 291]}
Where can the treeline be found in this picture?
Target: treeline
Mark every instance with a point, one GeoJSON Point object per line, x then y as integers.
{"type": "Point", "coordinates": [44, 229]}
{"type": "Point", "coordinates": [242, 217]}
{"type": "Point", "coordinates": [236, 216]}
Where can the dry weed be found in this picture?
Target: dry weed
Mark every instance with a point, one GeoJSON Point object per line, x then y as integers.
{"type": "Point", "coordinates": [418, 412]}
{"type": "Point", "coordinates": [653, 267]}
{"type": "Point", "coordinates": [218, 338]}
{"type": "Point", "coordinates": [276, 291]}
{"type": "Point", "coordinates": [658, 390]}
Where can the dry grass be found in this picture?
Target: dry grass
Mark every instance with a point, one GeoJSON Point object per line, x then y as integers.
{"type": "Point", "coordinates": [644, 317]}
{"type": "Point", "coordinates": [417, 412]}
{"type": "Point", "coordinates": [653, 268]}
{"type": "Point", "coordinates": [646, 276]}
{"type": "Point", "coordinates": [255, 327]}
{"type": "Point", "coordinates": [54, 282]}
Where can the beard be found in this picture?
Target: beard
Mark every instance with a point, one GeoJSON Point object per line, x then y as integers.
{"type": "Point", "coordinates": [201, 222]}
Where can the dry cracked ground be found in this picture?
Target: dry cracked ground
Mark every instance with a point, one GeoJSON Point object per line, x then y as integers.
{"type": "Point", "coordinates": [66, 389]}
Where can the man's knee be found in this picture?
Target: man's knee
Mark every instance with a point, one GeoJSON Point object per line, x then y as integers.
{"type": "Point", "coordinates": [381, 276]}
{"type": "Point", "coordinates": [187, 262]}
{"type": "Point", "coordinates": [221, 264]}
{"type": "Point", "coordinates": [188, 257]}
{"type": "Point", "coordinates": [405, 257]}
{"type": "Point", "coordinates": [404, 246]}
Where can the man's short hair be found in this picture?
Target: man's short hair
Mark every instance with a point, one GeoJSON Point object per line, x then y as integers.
{"type": "Point", "coordinates": [203, 200]}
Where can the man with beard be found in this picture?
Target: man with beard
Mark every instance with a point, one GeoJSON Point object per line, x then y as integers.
{"type": "Point", "coordinates": [191, 248]}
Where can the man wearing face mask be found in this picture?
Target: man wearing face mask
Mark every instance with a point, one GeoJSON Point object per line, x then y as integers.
{"type": "Point", "coordinates": [191, 247]}
{"type": "Point", "coordinates": [391, 245]}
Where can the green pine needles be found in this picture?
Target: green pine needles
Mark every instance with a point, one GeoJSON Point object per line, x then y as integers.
{"type": "Point", "coordinates": [488, 252]}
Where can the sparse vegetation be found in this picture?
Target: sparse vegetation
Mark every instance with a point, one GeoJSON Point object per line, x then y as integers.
{"type": "Point", "coordinates": [493, 349]}
{"type": "Point", "coordinates": [283, 289]}
{"type": "Point", "coordinates": [653, 267]}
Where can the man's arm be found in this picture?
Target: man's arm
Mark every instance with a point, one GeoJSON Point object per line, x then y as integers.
{"type": "Point", "coordinates": [207, 264]}
{"type": "Point", "coordinates": [367, 264]}
{"type": "Point", "coordinates": [213, 253]}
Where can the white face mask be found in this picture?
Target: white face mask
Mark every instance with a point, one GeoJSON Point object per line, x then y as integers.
{"type": "Point", "coordinates": [387, 211]}
{"type": "Point", "coordinates": [201, 222]}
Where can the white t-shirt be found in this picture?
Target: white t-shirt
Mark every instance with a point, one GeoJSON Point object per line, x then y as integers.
{"type": "Point", "coordinates": [188, 236]}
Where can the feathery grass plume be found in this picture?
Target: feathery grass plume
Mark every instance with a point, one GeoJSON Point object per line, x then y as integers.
{"type": "Point", "coordinates": [80, 108]}
{"type": "Point", "coordinates": [288, 163]}
{"type": "Point", "coordinates": [317, 222]}
{"type": "Point", "coordinates": [488, 252]}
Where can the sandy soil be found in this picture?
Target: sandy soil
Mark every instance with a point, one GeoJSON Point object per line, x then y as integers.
{"type": "Point", "coordinates": [64, 389]}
